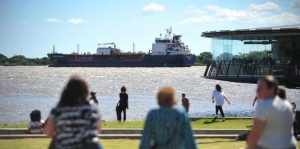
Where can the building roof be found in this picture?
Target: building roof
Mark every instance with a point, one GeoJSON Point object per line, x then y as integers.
{"type": "Point", "coordinates": [266, 33]}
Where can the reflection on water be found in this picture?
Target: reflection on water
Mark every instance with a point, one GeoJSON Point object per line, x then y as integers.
{"type": "Point", "coordinates": [23, 89]}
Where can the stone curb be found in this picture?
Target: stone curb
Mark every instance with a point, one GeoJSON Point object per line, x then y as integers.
{"type": "Point", "coordinates": [20, 131]}
{"type": "Point", "coordinates": [115, 136]}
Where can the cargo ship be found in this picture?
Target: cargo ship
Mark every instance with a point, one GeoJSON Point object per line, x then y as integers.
{"type": "Point", "coordinates": [167, 51]}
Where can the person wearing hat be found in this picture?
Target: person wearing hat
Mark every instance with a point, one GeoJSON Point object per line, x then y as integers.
{"type": "Point", "coordinates": [218, 98]}
{"type": "Point", "coordinates": [93, 99]}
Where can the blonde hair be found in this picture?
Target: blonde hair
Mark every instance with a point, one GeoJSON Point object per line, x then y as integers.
{"type": "Point", "coordinates": [166, 96]}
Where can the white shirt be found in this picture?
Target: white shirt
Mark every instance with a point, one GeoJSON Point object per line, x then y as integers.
{"type": "Point", "coordinates": [36, 127]}
{"type": "Point", "coordinates": [219, 99]}
{"type": "Point", "coordinates": [278, 116]}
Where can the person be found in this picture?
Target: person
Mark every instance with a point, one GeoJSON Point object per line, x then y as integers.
{"type": "Point", "coordinates": [122, 104]}
{"type": "Point", "coordinates": [74, 123]}
{"type": "Point", "coordinates": [218, 98]}
{"type": "Point", "coordinates": [93, 99]}
{"type": "Point", "coordinates": [167, 127]}
{"type": "Point", "coordinates": [281, 92]}
{"type": "Point", "coordinates": [185, 102]}
{"type": "Point", "coordinates": [273, 119]}
{"type": "Point", "coordinates": [295, 128]}
{"type": "Point", "coordinates": [36, 124]}
{"type": "Point", "coordinates": [254, 101]}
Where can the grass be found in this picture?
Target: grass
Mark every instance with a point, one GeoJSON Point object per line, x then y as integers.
{"type": "Point", "coordinates": [114, 144]}
{"type": "Point", "coordinates": [205, 123]}
{"type": "Point", "coordinates": [118, 143]}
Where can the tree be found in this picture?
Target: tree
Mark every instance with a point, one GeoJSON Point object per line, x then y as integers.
{"type": "Point", "coordinates": [204, 57]}
{"type": "Point", "coordinates": [225, 56]}
{"type": "Point", "coordinates": [3, 59]}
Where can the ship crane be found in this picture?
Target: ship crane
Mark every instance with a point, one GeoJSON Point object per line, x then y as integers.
{"type": "Point", "coordinates": [112, 43]}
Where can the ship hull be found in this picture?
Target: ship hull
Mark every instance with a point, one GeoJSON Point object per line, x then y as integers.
{"type": "Point", "coordinates": [129, 60]}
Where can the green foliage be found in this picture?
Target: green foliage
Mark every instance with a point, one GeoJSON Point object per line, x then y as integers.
{"type": "Point", "coordinates": [204, 123]}
{"type": "Point", "coordinates": [224, 56]}
{"type": "Point", "coordinates": [204, 58]}
{"type": "Point", "coordinates": [3, 59]}
{"type": "Point", "coordinates": [253, 55]}
{"type": "Point", "coordinates": [22, 60]}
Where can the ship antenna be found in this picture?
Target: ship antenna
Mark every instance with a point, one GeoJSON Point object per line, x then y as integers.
{"type": "Point", "coordinates": [133, 48]}
{"type": "Point", "coordinates": [77, 48]}
{"type": "Point", "coordinates": [53, 49]}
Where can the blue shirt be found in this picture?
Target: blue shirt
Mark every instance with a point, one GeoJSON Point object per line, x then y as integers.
{"type": "Point", "coordinates": [168, 128]}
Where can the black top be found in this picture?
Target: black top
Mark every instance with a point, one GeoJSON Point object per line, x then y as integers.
{"type": "Point", "coordinates": [123, 102]}
{"type": "Point", "coordinates": [94, 99]}
{"type": "Point", "coordinates": [76, 127]}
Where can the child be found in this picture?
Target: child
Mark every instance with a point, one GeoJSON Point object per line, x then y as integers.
{"type": "Point", "coordinates": [36, 125]}
{"type": "Point", "coordinates": [185, 102]}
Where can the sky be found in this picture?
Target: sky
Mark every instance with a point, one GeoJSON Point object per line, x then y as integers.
{"type": "Point", "coordinates": [32, 27]}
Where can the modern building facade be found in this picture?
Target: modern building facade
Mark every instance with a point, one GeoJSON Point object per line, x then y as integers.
{"type": "Point", "coordinates": [248, 54]}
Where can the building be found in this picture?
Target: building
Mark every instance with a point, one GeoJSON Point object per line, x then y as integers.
{"type": "Point", "coordinates": [248, 54]}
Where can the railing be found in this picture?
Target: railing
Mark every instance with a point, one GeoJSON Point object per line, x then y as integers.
{"type": "Point", "coordinates": [233, 68]}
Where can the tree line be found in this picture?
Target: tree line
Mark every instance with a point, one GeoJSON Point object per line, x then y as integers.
{"type": "Point", "coordinates": [22, 60]}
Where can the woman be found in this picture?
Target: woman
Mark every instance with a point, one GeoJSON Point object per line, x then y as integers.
{"type": "Point", "coordinates": [74, 123]}
{"type": "Point", "coordinates": [167, 127]}
{"type": "Point", "coordinates": [273, 119]}
{"type": "Point", "coordinates": [122, 104]}
{"type": "Point", "coordinates": [218, 97]}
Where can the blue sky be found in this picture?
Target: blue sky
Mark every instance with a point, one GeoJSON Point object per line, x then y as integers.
{"type": "Point", "coordinates": [32, 27]}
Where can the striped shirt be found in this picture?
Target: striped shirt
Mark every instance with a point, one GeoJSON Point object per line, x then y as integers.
{"type": "Point", "coordinates": [167, 128]}
{"type": "Point", "coordinates": [76, 127]}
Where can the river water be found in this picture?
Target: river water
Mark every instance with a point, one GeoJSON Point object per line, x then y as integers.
{"type": "Point", "coordinates": [25, 88]}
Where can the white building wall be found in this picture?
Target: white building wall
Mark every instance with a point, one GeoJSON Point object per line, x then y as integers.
{"type": "Point", "coordinates": [103, 51]}
{"type": "Point", "coordinates": [159, 49]}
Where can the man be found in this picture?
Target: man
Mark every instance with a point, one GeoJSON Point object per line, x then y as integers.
{"type": "Point", "coordinates": [185, 102]}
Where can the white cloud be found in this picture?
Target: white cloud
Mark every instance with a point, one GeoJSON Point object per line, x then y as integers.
{"type": "Point", "coordinates": [261, 15]}
{"type": "Point", "coordinates": [53, 20]}
{"type": "Point", "coordinates": [76, 20]}
{"type": "Point", "coordinates": [197, 20]}
{"type": "Point", "coordinates": [268, 6]}
{"type": "Point", "coordinates": [153, 7]}
{"type": "Point", "coordinates": [296, 3]}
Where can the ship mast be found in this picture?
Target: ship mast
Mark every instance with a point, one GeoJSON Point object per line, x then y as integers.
{"type": "Point", "coordinates": [77, 48]}
{"type": "Point", "coordinates": [53, 49]}
{"type": "Point", "coordinates": [133, 48]}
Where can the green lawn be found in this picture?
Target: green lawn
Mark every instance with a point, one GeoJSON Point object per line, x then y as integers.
{"type": "Point", "coordinates": [206, 123]}
{"type": "Point", "coordinates": [118, 143]}
{"type": "Point", "coordinates": [115, 144]}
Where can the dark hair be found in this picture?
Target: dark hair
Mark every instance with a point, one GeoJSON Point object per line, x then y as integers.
{"type": "Point", "coordinates": [35, 116]}
{"type": "Point", "coordinates": [282, 92]}
{"type": "Point", "coordinates": [123, 89]}
{"type": "Point", "coordinates": [219, 88]}
{"type": "Point", "coordinates": [183, 94]}
{"type": "Point", "coordinates": [271, 82]}
{"type": "Point", "coordinates": [293, 103]}
{"type": "Point", "coordinates": [75, 93]}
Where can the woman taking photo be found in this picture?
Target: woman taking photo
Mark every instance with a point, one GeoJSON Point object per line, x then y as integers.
{"type": "Point", "coordinates": [74, 123]}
